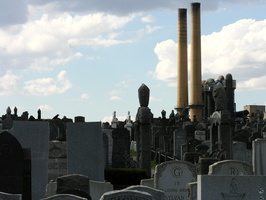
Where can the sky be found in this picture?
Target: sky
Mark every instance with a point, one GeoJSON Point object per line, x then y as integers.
{"type": "Point", "coordinates": [89, 57]}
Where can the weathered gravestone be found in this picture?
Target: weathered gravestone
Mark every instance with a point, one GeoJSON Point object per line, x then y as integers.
{"type": "Point", "coordinates": [57, 165]}
{"type": "Point", "coordinates": [97, 189]}
{"type": "Point", "coordinates": [231, 167]}
{"type": "Point", "coordinates": [11, 164]}
{"type": "Point", "coordinates": [64, 197]}
{"type": "Point", "coordinates": [125, 195]}
{"type": "Point", "coordinates": [258, 156]}
{"type": "Point", "coordinates": [108, 133]}
{"type": "Point", "coordinates": [156, 194]}
{"type": "Point", "coordinates": [7, 196]}
{"type": "Point", "coordinates": [35, 135]}
{"type": "Point", "coordinates": [172, 178]}
{"type": "Point", "coordinates": [85, 153]}
{"type": "Point", "coordinates": [231, 187]}
{"type": "Point", "coordinates": [75, 184]}
{"type": "Point", "coordinates": [179, 138]}
{"type": "Point", "coordinates": [239, 151]}
{"type": "Point", "coordinates": [121, 147]}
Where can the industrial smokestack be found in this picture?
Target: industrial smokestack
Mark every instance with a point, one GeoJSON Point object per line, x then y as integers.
{"type": "Point", "coordinates": [195, 72]}
{"type": "Point", "coordinates": [182, 80]}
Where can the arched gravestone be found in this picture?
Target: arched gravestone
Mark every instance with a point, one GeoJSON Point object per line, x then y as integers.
{"type": "Point", "coordinates": [11, 164]}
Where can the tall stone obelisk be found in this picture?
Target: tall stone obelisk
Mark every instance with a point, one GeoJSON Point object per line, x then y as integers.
{"type": "Point", "coordinates": [195, 70]}
{"type": "Point", "coordinates": [182, 74]}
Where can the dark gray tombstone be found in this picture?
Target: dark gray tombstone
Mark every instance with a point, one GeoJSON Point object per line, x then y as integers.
{"type": "Point", "coordinates": [57, 165]}
{"type": "Point", "coordinates": [85, 153]}
{"type": "Point", "coordinates": [172, 178]}
{"type": "Point", "coordinates": [11, 164]}
{"type": "Point", "coordinates": [75, 184]}
{"type": "Point", "coordinates": [156, 194]}
{"type": "Point", "coordinates": [121, 147]}
{"type": "Point", "coordinates": [35, 135]}
{"type": "Point", "coordinates": [7, 196]}
{"type": "Point", "coordinates": [179, 138]}
{"type": "Point", "coordinates": [64, 197]}
{"type": "Point", "coordinates": [126, 194]}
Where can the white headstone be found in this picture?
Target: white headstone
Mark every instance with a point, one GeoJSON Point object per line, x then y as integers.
{"type": "Point", "coordinates": [172, 178]}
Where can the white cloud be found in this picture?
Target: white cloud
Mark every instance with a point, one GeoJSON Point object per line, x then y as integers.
{"type": "Point", "coordinates": [115, 98]}
{"type": "Point", "coordinates": [147, 19]}
{"type": "Point", "coordinates": [238, 49]}
{"type": "Point", "coordinates": [122, 84]}
{"type": "Point", "coordinates": [8, 83]}
{"type": "Point", "coordinates": [154, 99]}
{"type": "Point", "coordinates": [115, 92]}
{"type": "Point", "coordinates": [45, 107]}
{"type": "Point", "coordinates": [48, 86]}
{"type": "Point", "coordinates": [84, 96]}
{"type": "Point", "coordinates": [49, 40]}
{"type": "Point", "coordinates": [166, 67]}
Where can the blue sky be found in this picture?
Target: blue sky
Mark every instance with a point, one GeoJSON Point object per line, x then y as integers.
{"type": "Point", "coordinates": [88, 58]}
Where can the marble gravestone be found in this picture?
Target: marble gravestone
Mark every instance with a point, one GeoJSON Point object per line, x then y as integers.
{"type": "Point", "coordinates": [126, 194]}
{"type": "Point", "coordinates": [35, 135]}
{"type": "Point", "coordinates": [172, 178]}
{"type": "Point", "coordinates": [85, 152]}
{"type": "Point", "coordinates": [231, 187]}
{"type": "Point", "coordinates": [231, 167]}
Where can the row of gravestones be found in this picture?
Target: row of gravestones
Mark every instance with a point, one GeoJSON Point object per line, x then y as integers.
{"type": "Point", "coordinates": [33, 165]}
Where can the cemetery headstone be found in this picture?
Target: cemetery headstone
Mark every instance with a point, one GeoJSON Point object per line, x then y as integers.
{"type": "Point", "coordinates": [121, 147]}
{"type": "Point", "coordinates": [85, 153]}
{"type": "Point", "coordinates": [172, 178]}
{"type": "Point", "coordinates": [258, 156]}
{"type": "Point", "coordinates": [156, 194]}
{"type": "Point", "coordinates": [57, 165]}
{"type": "Point", "coordinates": [35, 135]}
{"type": "Point", "coordinates": [7, 196]}
{"type": "Point", "coordinates": [126, 194]}
{"type": "Point", "coordinates": [231, 187]}
{"type": "Point", "coordinates": [64, 197]}
{"type": "Point", "coordinates": [147, 182]}
{"type": "Point", "coordinates": [97, 189]}
{"type": "Point", "coordinates": [231, 167]}
{"type": "Point", "coordinates": [108, 133]}
{"type": "Point", "coordinates": [11, 164]}
{"type": "Point", "coordinates": [204, 164]}
{"type": "Point", "coordinates": [75, 184]}
{"type": "Point", "coordinates": [179, 138]}
{"type": "Point", "coordinates": [239, 151]}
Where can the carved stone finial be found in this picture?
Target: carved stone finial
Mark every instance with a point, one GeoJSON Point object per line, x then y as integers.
{"type": "Point", "coordinates": [15, 111]}
{"type": "Point", "coordinates": [144, 95]}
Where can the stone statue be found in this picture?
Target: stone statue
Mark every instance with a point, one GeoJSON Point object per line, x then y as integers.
{"type": "Point", "coordinates": [219, 96]}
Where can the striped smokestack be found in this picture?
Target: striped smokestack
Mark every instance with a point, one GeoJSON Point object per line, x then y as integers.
{"type": "Point", "coordinates": [182, 80]}
{"type": "Point", "coordinates": [195, 72]}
